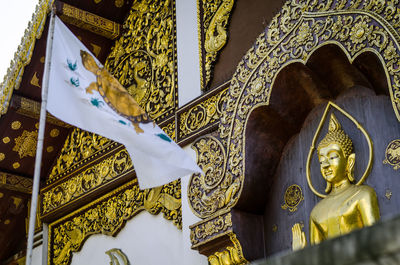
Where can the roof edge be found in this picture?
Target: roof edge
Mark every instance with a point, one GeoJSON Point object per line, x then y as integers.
{"type": "Point", "coordinates": [23, 55]}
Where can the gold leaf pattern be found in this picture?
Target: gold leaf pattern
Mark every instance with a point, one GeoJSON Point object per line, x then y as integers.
{"type": "Point", "coordinates": [80, 145]}
{"type": "Point", "coordinates": [213, 24]}
{"type": "Point", "coordinates": [86, 181]}
{"type": "Point", "coordinates": [25, 144]}
{"type": "Point", "coordinates": [206, 113]}
{"type": "Point", "coordinates": [143, 59]}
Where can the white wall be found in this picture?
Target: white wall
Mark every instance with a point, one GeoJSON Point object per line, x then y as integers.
{"type": "Point", "coordinates": [37, 255]}
{"type": "Point", "coordinates": [188, 218]}
{"type": "Point", "coordinates": [188, 51]}
{"type": "Point", "coordinates": [146, 240]}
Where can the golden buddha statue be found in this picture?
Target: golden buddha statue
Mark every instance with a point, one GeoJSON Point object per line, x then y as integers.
{"type": "Point", "coordinates": [347, 206]}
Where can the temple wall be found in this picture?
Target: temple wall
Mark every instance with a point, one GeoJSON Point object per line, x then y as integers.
{"type": "Point", "coordinates": [146, 239]}
{"type": "Point", "coordinates": [190, 256]}
{"type": "Point", "coordinates": [188, 51]}
{"type": "Point", "coordinates": [37, 255]}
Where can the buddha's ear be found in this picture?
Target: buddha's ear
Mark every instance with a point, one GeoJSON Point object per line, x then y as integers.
{"type": "Point", "coordinates": [350, 166]}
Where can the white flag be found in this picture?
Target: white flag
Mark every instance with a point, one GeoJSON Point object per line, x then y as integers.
{"type": "Point", "coordinates": [84, 94]}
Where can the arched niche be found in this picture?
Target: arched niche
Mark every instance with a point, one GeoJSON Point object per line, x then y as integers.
{"type": "Point", "coordinates": [297, 90]}
{"type": "Point", "coordinates": [278, 137]}
{"type": "Point", "coordinates": [311, 52]}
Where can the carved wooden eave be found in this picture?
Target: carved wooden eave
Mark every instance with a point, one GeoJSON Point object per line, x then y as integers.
{"type": "Point", "coordinates": [88, 21]}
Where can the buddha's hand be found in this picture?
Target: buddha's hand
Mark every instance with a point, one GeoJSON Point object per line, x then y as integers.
{"type": "Point", "coordinates": [299, 237]}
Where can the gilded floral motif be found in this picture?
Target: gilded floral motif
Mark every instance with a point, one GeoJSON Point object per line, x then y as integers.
{"type": "Point", "coordinates": [360, 31]}
{"type": "Point", "coordinates": [200, 116]}
{"type": "Point", "coordinates": [210, 192]}
{"type": "Point", "coordinates": [86, 181]}
{"type": "Point", "coordinates": [200, 232]}
{"type": "Point", "coordinates": [25, 144]}
{"type": "Point", "coordinates": [80, 145]}
{"type": "Point", "coordinates": [143, 59]}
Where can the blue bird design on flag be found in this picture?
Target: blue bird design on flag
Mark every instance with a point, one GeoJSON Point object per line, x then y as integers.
{"type": "Point", "coordinates": [74, 81]}
{"type": "Point", "coordinates": [71, 66]}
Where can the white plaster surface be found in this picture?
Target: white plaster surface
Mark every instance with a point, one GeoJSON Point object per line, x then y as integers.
{"type": "Point", "coordinates": [188, 218]}
{"type": "Point", "coordinates": [146, 240]}
{"type": "Point", "coordinates": [187, 51]}
{"type": "Point", "coordinates": [37, 255]}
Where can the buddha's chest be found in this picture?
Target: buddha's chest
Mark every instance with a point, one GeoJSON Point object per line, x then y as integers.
{"type": "Point", "coordinates": [338, 215]}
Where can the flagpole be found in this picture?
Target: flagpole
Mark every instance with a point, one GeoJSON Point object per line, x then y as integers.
{"type": "Point", "coordinates": [39, 150]}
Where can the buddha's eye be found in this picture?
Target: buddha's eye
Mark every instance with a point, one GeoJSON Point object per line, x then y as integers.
{"type": "Point", "coordinates": [333, 156]}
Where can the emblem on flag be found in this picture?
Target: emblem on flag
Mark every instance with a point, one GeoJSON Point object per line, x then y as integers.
{"type": "Point", "coordinates": [114, 94]}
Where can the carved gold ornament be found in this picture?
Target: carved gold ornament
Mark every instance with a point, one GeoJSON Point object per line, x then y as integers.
{"type": "Point", "coordinates": [35, 80]}
{"type": "Point", "coordinates": [15, 125]}
{"type": "Point", "coordinates": [169, 129]}
{"type": "Point", "coordinates": [201, 232]}
{"type": "Point", "coordinates": [318, 131]}
{"type": "Point", "coordinates": [6, 140]}
{"type": "Point", "coordinates": [54, 133]}
{"type": "Point", "coordinates": [89, 21]}
{"type": "Point", "coordinates": [107, 215]}
{"type": "Point", "coordinates": [14, 182]}
{"type": "Point", "coordinates": [210, 192]}
{"type": "Point", "coordinates": [116, 255]}
{"type": "Point", "coordinates": [86, 181]}
{"type": "Point", "coordinates": [231, 255]}
{"type": "Point", "coordinates": [16, 165]}
{"type": "Point", "coordinates": [79, 146]}
{"type": "Point", "coordinates": [293, 196]}
{"type": "Point", "coordinates": [213, 23]}
{"type": "Point", "coordinates": [300, 28]}
{"type": "Point", "coordinates": [25, 144]}
{"type": "Point", "coordinates": [2, 156]}
{"type": "Point", "coordinates": [143, 59]}
{"type": "Point", "coordinates": [392, 154]}
{"type": "Point", "coordinates": [201, 115]}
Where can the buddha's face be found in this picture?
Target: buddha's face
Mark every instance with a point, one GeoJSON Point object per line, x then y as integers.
{"type": "Point", "coordinates": [332, 162]}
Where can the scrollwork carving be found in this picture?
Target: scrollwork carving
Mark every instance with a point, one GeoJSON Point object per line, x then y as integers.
{"type": "Point", "coordinates": [144, 58]}
{"type": "Point", "coordinates": [201, 115]}
{"type": "Point", "coordinates": [108, 214]}
{"type": "Point", "coordinates": [294, 34]}
{"type": "Point", "coordinates": [210, 192]}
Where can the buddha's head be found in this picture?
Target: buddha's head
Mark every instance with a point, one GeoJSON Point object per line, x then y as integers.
{"type": "Point", "coordinates": [335, 154]}
{"type": "Point", "coordinates": [88, 62]}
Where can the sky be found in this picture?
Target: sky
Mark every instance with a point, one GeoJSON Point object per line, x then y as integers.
{"type": "Point", "coordinates": [14, 18]}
